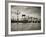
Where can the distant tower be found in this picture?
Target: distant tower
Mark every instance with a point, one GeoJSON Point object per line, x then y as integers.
{"type": "Point", "coordinates": [17, 13]}
{"type": "Point", "coordinates": [23, 16]}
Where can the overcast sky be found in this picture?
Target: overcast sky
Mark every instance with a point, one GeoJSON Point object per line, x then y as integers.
{"type": "Point", "coordinates": [28, 10]}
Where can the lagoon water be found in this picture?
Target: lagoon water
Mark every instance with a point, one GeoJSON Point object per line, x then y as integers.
{"type": "Point", "coordinates": [25, 26]}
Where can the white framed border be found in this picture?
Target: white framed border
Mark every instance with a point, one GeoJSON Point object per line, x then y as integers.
{"type": "Point", "coordinates": [22, 32]}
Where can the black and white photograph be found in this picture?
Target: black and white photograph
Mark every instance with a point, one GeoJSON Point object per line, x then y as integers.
{"type": "Point", "coordinates": [25, 17]}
